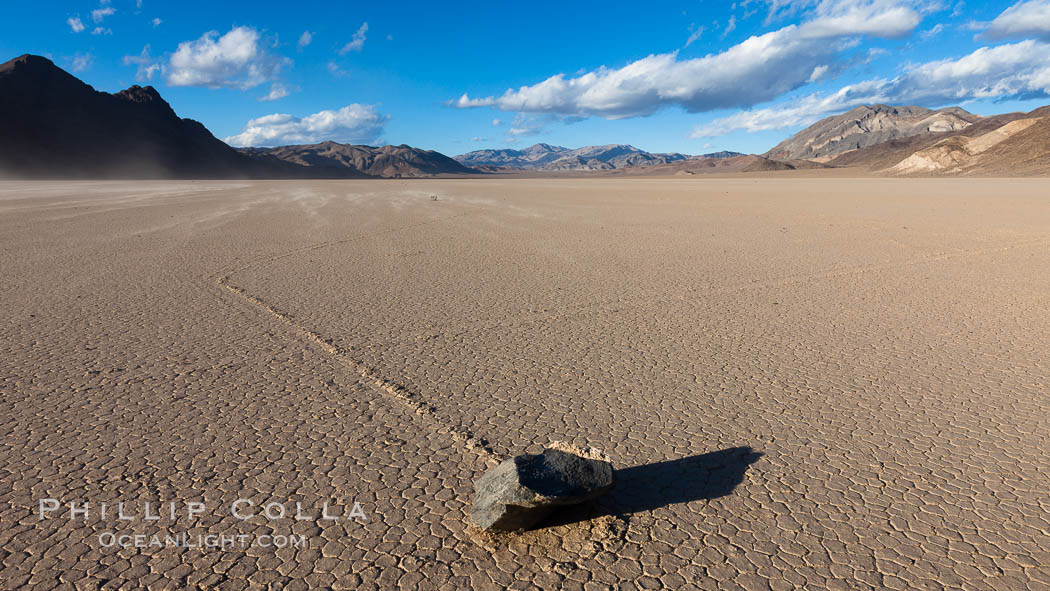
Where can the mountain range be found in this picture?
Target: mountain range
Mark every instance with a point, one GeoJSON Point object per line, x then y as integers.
{"type": "Point", "coordinates": [56, 126]}
{"type": "Point", "coordinates": [545, 157]}
{"type": "Point", "coordinates": [334, 159]}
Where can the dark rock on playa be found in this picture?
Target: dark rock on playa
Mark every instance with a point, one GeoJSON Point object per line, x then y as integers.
{"type": "Point", "coordinates": [521, 491]}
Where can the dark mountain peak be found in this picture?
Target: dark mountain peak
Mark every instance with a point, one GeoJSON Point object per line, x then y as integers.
{"type": "Point", "coordinates": [718, 155]}
{"type": "Point", "coordinates": [542, 148]}
{"type": "Point", "coordinates": [29, 63]}
{"type": "Point", "coordinates": [36, 72]}
{"type": "Point", "coordinates": [608, 150]}
{"type": "Point", "coordinates": [140, 94]}
{"type": "Point", "coordinates": [148, 98]}
{"type": "Point", "coordinates": [57, 126]}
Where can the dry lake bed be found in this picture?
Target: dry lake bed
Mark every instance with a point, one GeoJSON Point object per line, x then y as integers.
{"type": "Point", "coordinates": [803, 382]}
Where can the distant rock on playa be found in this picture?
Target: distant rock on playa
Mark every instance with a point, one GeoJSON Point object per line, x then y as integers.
{"type": "Point", "coordinates": [523, 490]}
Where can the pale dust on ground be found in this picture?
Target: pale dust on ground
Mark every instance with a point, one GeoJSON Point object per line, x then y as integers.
{"type": "Point", "coordinates": [805, 382]}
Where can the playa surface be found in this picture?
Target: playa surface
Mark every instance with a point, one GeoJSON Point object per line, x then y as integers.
{"type": "Point", "coordinates": [806, 382]}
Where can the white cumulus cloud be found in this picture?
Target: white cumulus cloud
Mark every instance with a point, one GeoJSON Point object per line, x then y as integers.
{"type": "Point", "coordinates": [1011, 70]}
{"type": "Point", "coordinates": [819, 73]}
{"type": "Point", "coordinates": [147, 66]}
{"type": "Point", "coordinates": [82, 61]}
{"type": "Point", "coordinates": [156, 22]}
{"type": "Point", "coordinates": [277, 91]}
{"type": "Point", "coordinates": [234, 60]}
{"type": "Point", "coordinates": [933, 32]}
{"type": "Point", "coordinates": [526, 125]}
{"type": "Point", "coordinates": [358, 41]}
{"type": "Point", "coordinates": [335, 70]}
{"type": "Point", "coordinates": [754, 71]}
{"type": "Point", "coordinates": [697, 32]}
{"type": "Point", "coordinates": [1024, 19]}
{"type": "Point", "coordinates": [100, 13]}
{"type": "Point", "coordinates": [75, 23]}
{"type": "Point", "coordinates": [305, 39]}
{"type": "Point", "coordinates": [730, 27]}
{"type": "Point", "coordinates": [352, 124]}
{"type": "Point", "coordinates": [465, 102]}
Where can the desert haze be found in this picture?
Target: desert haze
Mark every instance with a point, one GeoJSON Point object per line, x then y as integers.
{"type": "Point", "coordinates": [822, 383]}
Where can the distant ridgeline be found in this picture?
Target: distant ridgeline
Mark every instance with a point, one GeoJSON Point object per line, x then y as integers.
{"type": "Point", "coordinates": [544, 157]}
{"type": "Point", "coordinates": [56, 126]}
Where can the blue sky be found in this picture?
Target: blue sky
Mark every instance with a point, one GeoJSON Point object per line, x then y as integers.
{"type": "Point", "coordinates": [690, 77]}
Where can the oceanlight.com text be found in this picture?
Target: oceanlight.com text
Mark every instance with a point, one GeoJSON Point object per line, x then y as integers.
{"type": "Point", "coordinates": [210, 541]}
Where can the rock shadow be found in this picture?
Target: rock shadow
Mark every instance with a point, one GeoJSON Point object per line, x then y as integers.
{"type": "Point", "coordinates": [651, 486]}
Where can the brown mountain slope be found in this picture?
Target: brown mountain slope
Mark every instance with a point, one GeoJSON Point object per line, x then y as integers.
{"type": "Point", "coordinates": [1018, 148]}
{"type": "Point", "coordinates": [867, 126]}
{"type": "Point", "coordinates": [1026, 153]}
{"type": "Point", "coordinates": [889, 153]}
{"type": "Point", "coordinates": [743, 163]}
{"type": "Point", "coordinates": [54, 125]}
{"type": "Point", "coordinates": [763, 164]}
{"type": "Point", "coordinates": [345, 160]}
{"type": "Point", "coordinates": [730, 164]}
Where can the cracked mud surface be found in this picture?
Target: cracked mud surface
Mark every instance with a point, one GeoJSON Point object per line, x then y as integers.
{"type": "Point", "coordinates": [820, 383]}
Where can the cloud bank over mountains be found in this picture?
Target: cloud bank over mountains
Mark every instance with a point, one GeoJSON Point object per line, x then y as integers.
{"type": "Point", "coordinates": [1013, 70]}
{"type": "Point", "coordinates": [352, 124]}
{"type": "Point", "coordinates": [756, 70]}
{"type": "Point", "coordinates": [766, 67]}
{"type": "Point", "coordinates": [769, 80]}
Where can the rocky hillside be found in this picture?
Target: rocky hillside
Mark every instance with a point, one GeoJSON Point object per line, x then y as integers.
{"type": "Point", "coordinates": [1019, 147]}
{"type": "Point", "coordinates": [868, 126]}
{"type": "Point", "coordinates": [545, 157]}
{"type": "Point", "coordinates": [884, 155]}
{"type": "Point", "coordinates": [56, 126]}
{"type": "Point", "coordinates": [532, 157]}
{"type": "Point", "coordinates": [331, 159]}
{"type": "Point", "coordinates": [1009, 144]}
